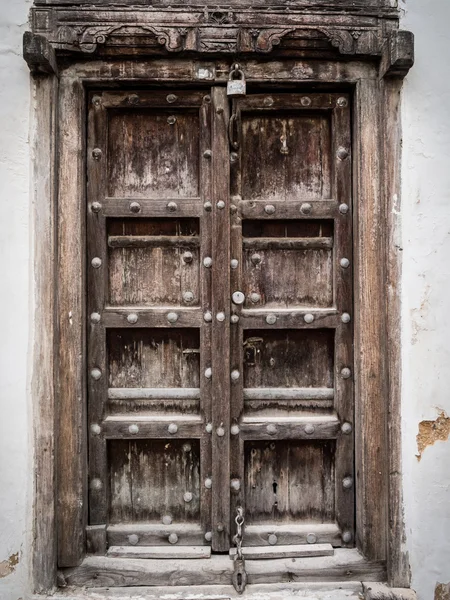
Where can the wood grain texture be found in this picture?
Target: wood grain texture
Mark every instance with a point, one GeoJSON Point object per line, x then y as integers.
{"type": "Point", "coordinates": [398, 560]}
{"type": "Point", "coordinates": [71, 460]}
{"type": "Point", "coordinates": [189, 534]}
{"type": "Point", "coordinates": [271, 552]}
{"type": "Point", "coordinates": [370, 333]}
{"type": "Point", "coordinates": [159, 552]}
{"type": "Point", "coordinates": [151, 157]}
{"type": "Point", "coordinates": [345, 565]}
{"type": "Point", "coordinates": [42, 385]}
{"type": "Point", "coordinates": [287, 481]}
{"type": "Point", "coordinates": [149, 478]}
{"type": "Point", "coordinates": [220, 329]}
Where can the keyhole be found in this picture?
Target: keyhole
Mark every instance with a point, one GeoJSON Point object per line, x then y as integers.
{"type": "Point", "coordinates": [275, 485]}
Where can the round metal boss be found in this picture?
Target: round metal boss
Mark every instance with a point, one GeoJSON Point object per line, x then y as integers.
{"type": "Point", "coordinates": [308, 318]}
{"type": "Point", "coordinates": [173, 538]}
{"type": "Point", "coordinates": [271, 319]}
{"type": "Point", "coordinates": [132, 318]}
{"type": "Point", "coordinates": [96, 262]}
{"type": "Point", "coordinates": [172, 317]}
{"type": "Point", "coordinates": [96, 374]}
{"type": "Point", "coordinates": [133, 429]}
{"type": "Point", "coordinates": [311, 538]}
{"type": "Point", "coordinates": [238, 297]}
{"type": "Point", "coordinates": [208, 373]}
{"type": "Point", "coordinates": [173, 428]}
{"type": "Point", "coordinates": [135, 207]}
{"type": "Point", "coordinates": [272, 539]}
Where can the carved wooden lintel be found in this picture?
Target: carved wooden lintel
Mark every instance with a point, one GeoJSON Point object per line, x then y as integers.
{"type": "Point", "coordinates": [39, 54]}
{"type": "Point", "coordinates": [397, 55]}
{"type": "Point", "coordinates": [73, 30]}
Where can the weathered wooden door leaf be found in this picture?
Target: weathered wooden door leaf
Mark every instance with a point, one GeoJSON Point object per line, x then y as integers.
{"type": "Point", "coordinates": [219, 323]}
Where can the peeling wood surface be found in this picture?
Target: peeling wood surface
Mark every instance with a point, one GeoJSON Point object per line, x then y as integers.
{"type": "Point", "coordinates": [343, 566]}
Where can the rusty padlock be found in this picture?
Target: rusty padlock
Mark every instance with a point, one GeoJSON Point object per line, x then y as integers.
{"type": "Point", "coordinates": [236, 85]}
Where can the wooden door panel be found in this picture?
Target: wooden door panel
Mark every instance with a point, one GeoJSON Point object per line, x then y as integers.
{"type": "Point", "coordinates": [286, 156]}
{"type": "Point", "coordinates": [292, 334]}
{"type": "Point", "coordinates": [153, 262]}
{"type": "Point", "coordinates": [149, 249]}
{"type": "Point", "coordinates": [199, 403]}
{"type": "Point", "coordinates": [154, 153]}
{"type": "Point", "coordinates": [289, 482]}
{"type": "Point", "coordinates": [288, 263]}
{"type": "Point", "coordinates": [154, 481]}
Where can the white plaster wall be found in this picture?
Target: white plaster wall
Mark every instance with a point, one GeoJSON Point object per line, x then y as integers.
{"type": "Point", "coordinates": [15, 301]}
{"type": "Point", "coordinates": [426, 290]}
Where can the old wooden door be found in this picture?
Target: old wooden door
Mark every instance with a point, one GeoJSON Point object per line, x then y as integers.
{"type": "Point", "coordinates": [219, 309]}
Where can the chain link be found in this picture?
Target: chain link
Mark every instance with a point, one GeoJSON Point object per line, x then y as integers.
{"type": "Point", "coordinates": [238, 538]}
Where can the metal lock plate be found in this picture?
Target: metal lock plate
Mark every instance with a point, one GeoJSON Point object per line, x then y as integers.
{"type": "Point", "coordinates": [236, 85]}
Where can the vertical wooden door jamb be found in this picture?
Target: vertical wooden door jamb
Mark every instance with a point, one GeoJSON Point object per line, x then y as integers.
{"type": "Point", "coordinates": [369, 315]}
{"type": "Point", "coordinates": [43, 379]}
{"type": "Point", "coordinates": [71, 456]}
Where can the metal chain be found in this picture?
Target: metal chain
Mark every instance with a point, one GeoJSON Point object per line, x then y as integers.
{"type": "Point", "coordinates": [238, 538]}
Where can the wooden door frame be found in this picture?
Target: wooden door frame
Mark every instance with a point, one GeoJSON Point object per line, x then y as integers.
{"type": "Point", "coordinates": [59, 387]}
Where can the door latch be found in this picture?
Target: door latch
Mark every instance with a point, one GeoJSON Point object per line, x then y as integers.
{"type": "Point", "coordinates": [239, 575]}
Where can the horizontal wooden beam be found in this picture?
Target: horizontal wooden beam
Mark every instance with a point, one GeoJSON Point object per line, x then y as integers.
{"type": "Point", "coordinates": [345, 565]}
{"type": "Point", "coordinates": [269, 243]}
{"type": "Point", "coordinates": [149, 207]}
{"type": "Point", "coordinates": [137, 426]}
{"type": "Point", "coordinates": [155, 534]}
{"type": "Point", "coordinates": [153, 393]}
{"type": "Point", "coordinates": [260, 318]}
{"type": "Point", "coordinates": [293, 534]}
{"type": "Point", "coordinates": [153, 241]}
{"type": "Point", "coordinates": [316, 209]}
{"type": "Point", "coordinates": [290, 102]}
{"type": "Point", "coordinates": [173, 316]}
{"type": "Point", "coordinates": [292, 551]}
{"type": "Point", "coordinates": [290, 428]}
{"type": "Point", "coordinates": [288, 393]}
{"type": "Point", "coordinates": [167, 552]}
{"type": "Point", "coordinates": [155, 98]}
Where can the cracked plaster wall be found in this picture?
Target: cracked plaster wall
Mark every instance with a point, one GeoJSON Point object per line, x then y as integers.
{"type": "Point", "coordinates": [426, 296]}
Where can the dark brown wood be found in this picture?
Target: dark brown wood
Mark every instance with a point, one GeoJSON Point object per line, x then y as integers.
{"type": "Point", "coordinates": [71, 462]}
{"type": "Point", "coordinates": [97, 278]}
{"type": "Point", "coordinates": [370, 365]}
{"type": "Point", "coordinates": [220, 338]}
{"type": "Point", "coordinates": [343, 296]}
{"type": "Point", "coordinates": [39, 54]}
